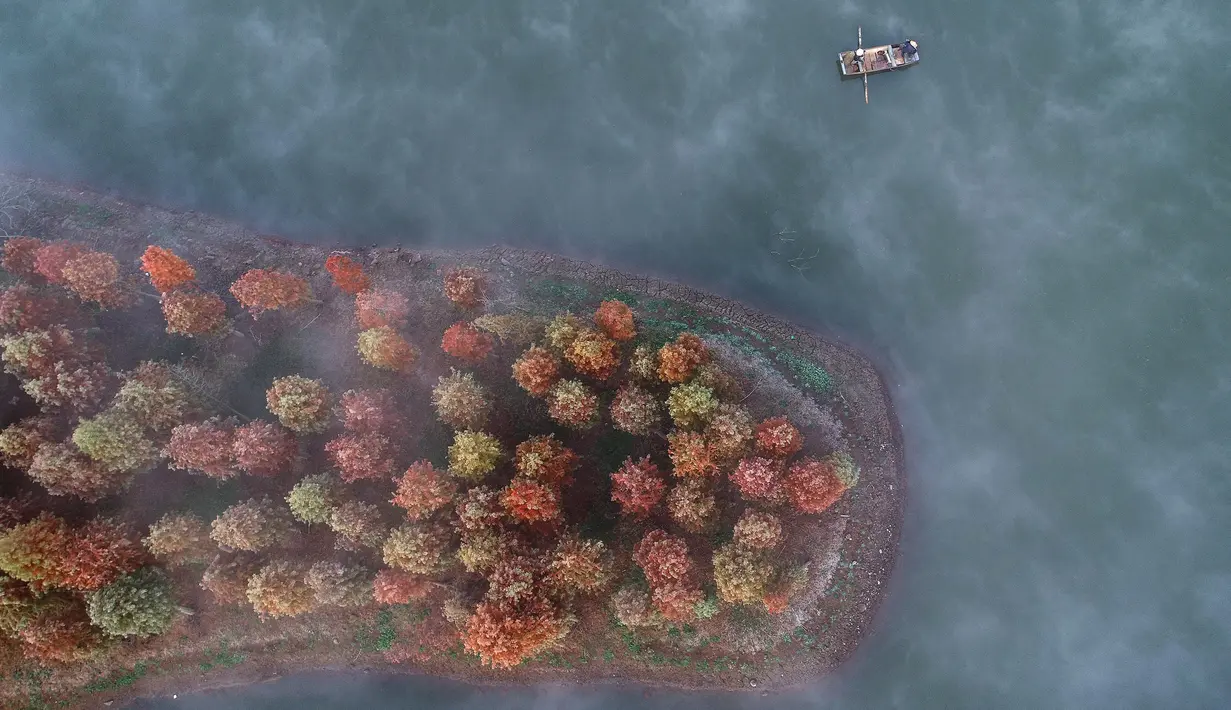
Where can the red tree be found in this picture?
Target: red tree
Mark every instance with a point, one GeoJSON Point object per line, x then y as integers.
{"type": "Point", "coordinates": [537, 370]}
{"type": "Point", "coordinates": [465, 287]}
{"type": "Point", "coordinates": [479, 509]}
{"type": "Point", "coordinates": [637, 487]}
{"type": "Point", "coordinates": [393, 586]}
{"type": "Point", "coordinates": [205, 448]}
{"type": "Point", "coordinates": [676, 600]}
{"type": "Point", "coordinates": [679, 359]}
{"type": "Point", "coordinates": [34, 552]}
{"type": "Point", "coordinates": [759, 479]}
{"type": "Point", "coordinates": [51, 257]}
{"type": "Point", "coordinates": [503, 637]}
{"type": "Point", "coordinates": [261, 290]}
{"type": "Point", "coordinates": [593, 354]}
{"type": "Point", "coordinates": [663, 558]}
{"type": "Point", "coordinates": [615, 319]}
{"type": "Point", "coordinates": [778, 438]}
{"type": "Point", "coordinates": [65, 471]}
{"type": "Point", "coordinates": [61, 634]}
{"type": "Point", "coordinates": [370, 411]}
{"type": "Point", "coordinates": [466, 342]}
{"type": "Point", "coordinates": [363, 456]}
{"type": "Point", "coordinates": [812, 486]}
{"type": "Point", "coordinates": [672, 576]}
{"type": "Point", "coordinates": [380, 307]}
{"type": "Point", "coordinates": [263, 448]}
{"type": "Point", "coordinates": [102, 552]}
{"type": "Point", "coordinates": [776, 601]}
{"type": "Point", "coordinates": [191, 312]}
{"type": "Point", "coordinates": [21, 257]}
{"type": "Point", "coordinates": [690, 455]}
{"type": "Point", "coordinates": [545, 459]}
{"type": "Point", "coordinates": [347, 275]}
{"type": "Point", "coordinates": [74, 383]}
{"type": "Point", "coordinates": [166, 270]}
{"type": "Point", "coordinates": [94, 276]}
{"type": "Point", "coordinates": [423, 490]}
{"type": "Point", "coordinates": [531, 502]}
{"type": "Point", "coordinates": [24, 308]}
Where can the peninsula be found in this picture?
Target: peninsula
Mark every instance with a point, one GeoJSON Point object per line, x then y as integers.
{"type": "Point", "coordinates": [226, 457]}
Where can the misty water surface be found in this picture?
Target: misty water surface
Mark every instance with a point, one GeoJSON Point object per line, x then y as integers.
{"type": "Point", "coordinates": [1029, 228]}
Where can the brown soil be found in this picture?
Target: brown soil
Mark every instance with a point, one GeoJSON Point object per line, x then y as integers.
{"type": "Point", "coordinates": [852, 545]}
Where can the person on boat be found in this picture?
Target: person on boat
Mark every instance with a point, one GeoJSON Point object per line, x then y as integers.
{"type": "Point", "coordinates": [857, 60]}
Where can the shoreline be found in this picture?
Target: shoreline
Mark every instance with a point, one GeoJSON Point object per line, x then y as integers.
{"type": "Point", "coordinates": [863, 383]}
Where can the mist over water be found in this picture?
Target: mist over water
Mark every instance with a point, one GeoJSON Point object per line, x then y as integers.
{"type": "Point", "coordinates": [1029, 229]}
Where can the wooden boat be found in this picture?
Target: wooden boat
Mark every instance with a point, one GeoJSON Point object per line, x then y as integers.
{"type": "Point", "coordinates": [874, 60]}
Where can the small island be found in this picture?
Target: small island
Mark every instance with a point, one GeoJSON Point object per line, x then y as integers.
{"type": "Point", "coordinates": [227, 457]}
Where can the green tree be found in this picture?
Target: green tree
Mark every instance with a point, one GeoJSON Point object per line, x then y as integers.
{"type": "Point", "coordinates": [137, 604]}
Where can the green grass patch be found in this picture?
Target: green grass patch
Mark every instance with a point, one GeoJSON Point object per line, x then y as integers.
{"type": "Point", "coordinates": [801, 635]}
{"type": "Point", "coordinates": [629, 299]}
{"type": "Point", "coordinates": [749, 618]}
{"type": "Point", "coordinates": [557, 293]}
{"type": "Point", "coordinates": [742, 344]}
{"type": "Point", "coordinates": [118, 680]}
{"type": "Point", "coordinates": [809, 374]}
{"type": "Point", "coordinates": [555, 660]}
{"type": "Point", "coordinates": [631, 644]}
{"type": "Point", "coordinates": [378, 636]}
{"type": "Point", "coordinates": [222, 657]}
{"type": "Point", "coordinates": [33, 679]}
{"type": "Point", "coordinates": [655, 332]}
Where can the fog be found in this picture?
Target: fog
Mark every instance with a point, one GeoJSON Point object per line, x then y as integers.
{"type": "Point", "coordinates": [1029, 231]}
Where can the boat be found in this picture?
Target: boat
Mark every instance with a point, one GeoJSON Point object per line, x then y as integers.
{"type": "Point", "coordinates": [874, 60]}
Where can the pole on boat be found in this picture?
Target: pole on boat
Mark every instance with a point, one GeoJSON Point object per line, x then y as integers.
{"type": "Point", "coordinates": [865, 73]}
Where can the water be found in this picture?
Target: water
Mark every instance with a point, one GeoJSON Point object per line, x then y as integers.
{"type": "Point", "coordinates": [1030, 227]}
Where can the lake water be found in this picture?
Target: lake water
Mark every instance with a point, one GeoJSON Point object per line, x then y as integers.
{"type": "Point", "coordinates": [1031, 228]}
